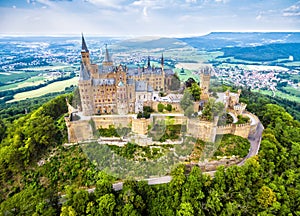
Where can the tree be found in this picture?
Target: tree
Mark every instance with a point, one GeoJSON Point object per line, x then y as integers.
{"type": "Point", "coordinates": [195, 91]}
{"type": "Point", "coordinates": [2, 130]}
{"type": "Point", "coordinates": [107, 204]}
{"type": "Point", "coordinates": [168, 107]}
{"type": "Point", "coordinates": [185, 209]}
{"type": "Point", "coordinates": [266, 197]}
{"type": "Point", "coordinates": [160, 107]}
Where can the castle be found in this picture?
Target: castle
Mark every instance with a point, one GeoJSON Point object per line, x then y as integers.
{"type": "Point", "coordinates": [109, 89]}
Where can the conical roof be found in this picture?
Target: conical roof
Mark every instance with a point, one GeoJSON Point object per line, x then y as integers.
{"type": "Point", "coordinates": [83, 45]}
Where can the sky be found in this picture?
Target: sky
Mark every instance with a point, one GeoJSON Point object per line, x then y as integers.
{"type": "Point", "coordinates": [146, 17]}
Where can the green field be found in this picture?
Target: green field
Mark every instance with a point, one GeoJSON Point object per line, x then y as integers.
{"type": "Point", "coordinates": [13, 76]}
{"type": "Point", "coordinates": [33, 81]}
{"type": "Point", "coordinates": [53, 87]}
{"type": "Point", "coordinates": [280, 94]}
{"type": "Point", "coordinates": [44, 68]}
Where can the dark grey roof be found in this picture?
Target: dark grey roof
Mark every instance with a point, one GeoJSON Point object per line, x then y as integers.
{"type": "Point", "coordinates": [105, 69]}
{"type": "Point", "coordinates": [140, 86]}
{"type": "Point", "coordinates": [84, 73]}
{"type": "Point", "coordinates": [103, 82]}
{"type": "Point", "coordinates": [83, 45]}
{"type": "Point", "coordinates": [169, 72]}
{"type": "Point", "coordinates": [130, 82]}
{"type": "Point", "coordinates": [136, 71]}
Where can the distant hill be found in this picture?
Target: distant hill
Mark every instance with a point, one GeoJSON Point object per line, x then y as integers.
{"type": "Point", "coordinates": [269, 52]}
{"type": "Point", "coordinates": [218, 40]}
{"type": "Point", "coordinates": [152, 43]}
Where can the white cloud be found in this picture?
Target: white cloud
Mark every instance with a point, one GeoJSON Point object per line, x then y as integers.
{"type": "Point", "coordinates": [191, 1]}
{"type": "Point", "coordinates": [293, 10]}
{"type": "Point", "coordinates": [259, 16]}
{"type": "Point", "coordinates": [145, 12]}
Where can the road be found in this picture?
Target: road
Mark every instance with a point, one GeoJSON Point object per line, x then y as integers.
{"type": "Point", "coordinates": [255, 140]}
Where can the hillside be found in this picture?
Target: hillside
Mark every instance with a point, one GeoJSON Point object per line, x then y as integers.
{"type": "Point", "coordinates": [266, 184]}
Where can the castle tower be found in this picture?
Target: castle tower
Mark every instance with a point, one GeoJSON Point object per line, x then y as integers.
{"type": "Point", "coordinates": [85, 54]}
{"type": "Point", "coordinates": [85, 90]}
{"type": "Point", "coordinates": [205, 74]}
{"type": "Point", "coordinates": [107, 62]}
{"type": "Point", "coordinates": [122, 102]}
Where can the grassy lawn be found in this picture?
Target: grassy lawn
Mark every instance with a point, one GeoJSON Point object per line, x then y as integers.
{"type": "Point", "coordinates": [53, 87]}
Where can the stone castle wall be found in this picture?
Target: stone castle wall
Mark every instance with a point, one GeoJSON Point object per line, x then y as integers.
{"type": "Point", "coordinates": [78, 130]}
{"type": "Point", "coordinates": [116, 120]}
{"type": "Point", "coordinates": [201, 129]}
{"type": "Point", "coordinates": [242, 130]}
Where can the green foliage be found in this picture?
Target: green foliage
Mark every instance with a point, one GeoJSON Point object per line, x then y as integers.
{"type": "Point", "coordinates": [168, 107]}
{"type": "Point", "coordinates": [229, 145]}
{"type": "Point", "coordinates": [109, 132]}
{"type": "Point", "coordinates": [242, 119]}
{"type": "Point", "coordinates": [195, 91]}
{"type": "Point", "coordinates": [2, 130]}
{"type": "Point", "coordinates": [136, 152]}
{"type": "Point", "coordinates": [160, 107]}
{"type": "Point", "coordinates": [212, 109]}
{"type": "Point", "coordinates": [147, 110]}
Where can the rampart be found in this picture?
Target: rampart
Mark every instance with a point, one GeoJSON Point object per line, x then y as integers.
{"type": "Point", "coordinates": [242, 130]}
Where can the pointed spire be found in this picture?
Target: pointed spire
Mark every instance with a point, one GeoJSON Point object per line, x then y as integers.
{"type": "Point", "coordinates": [106, 57]}
{"type": "Point", "coordinates": [83, 44]}
{"type": "Point", "coordinates": [149, 66]}
{"type": "Point", "coordinates": [162, 60]}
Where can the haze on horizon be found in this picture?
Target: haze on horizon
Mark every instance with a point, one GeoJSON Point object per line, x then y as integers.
{"type": "Point", "coordinates": [146, 17]}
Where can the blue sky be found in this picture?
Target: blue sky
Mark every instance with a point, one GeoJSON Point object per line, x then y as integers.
{"type": "Point", "coordinates": [146, 17]}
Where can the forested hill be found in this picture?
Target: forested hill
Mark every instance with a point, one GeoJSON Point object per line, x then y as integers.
{"type": "Point", "coordinates": [267, 184]}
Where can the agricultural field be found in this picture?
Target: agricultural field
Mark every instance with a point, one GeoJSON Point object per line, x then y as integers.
{"type": "Point", "coordinates": [32, 81]}
{"type": "Point", "coordinates": [53, 87]}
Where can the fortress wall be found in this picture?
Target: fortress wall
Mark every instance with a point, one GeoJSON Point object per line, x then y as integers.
{"type": "Point", "coordinates": [105, 121]}
{"type": "Point", "coordinates": [242, 130]}
{"type": "Point", "coordinates": [201, 129]}
{"type": "Point", "coordinates": [79, 130]}
{"type": "Point", "coordinates": [253, 126]}
{"type": "Point", "coordinates": [140, 126]}
{"type": "Point", "coordinates": [226, 129]}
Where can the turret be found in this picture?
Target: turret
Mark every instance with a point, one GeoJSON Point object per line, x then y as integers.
{"type": "Point", "coordinates": [107, 59]}
{"type": "Point", "coordinates": [85, 54]}
{"type": "Point", "coordinates": [148, 66]}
